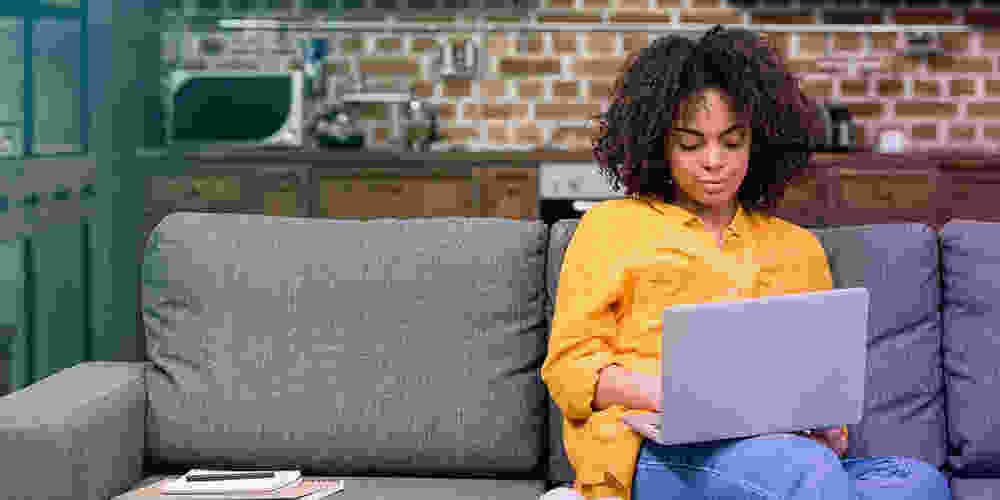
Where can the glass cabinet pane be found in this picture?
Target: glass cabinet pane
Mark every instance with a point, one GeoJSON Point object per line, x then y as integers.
{"type": "Point", "coordinates": [57, 86]}
{"type": "Point", "coordinates": [62, 3]}
{"type": "Point", "coordinates": [11, 86]}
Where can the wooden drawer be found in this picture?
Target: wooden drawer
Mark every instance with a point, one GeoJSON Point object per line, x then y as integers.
{"type": "Point", "coordinates": [418, 196]}
{"type": "Point", "coordinates": [509, 192]}
{"type": "Point", "coordinates": [900, 190]}
{"type": "Point", "coordinates": [802, 191]}
{"type": "Point", "coordinates": [231, 189]}
{"type": "Point", "coordinates": [975, 197]}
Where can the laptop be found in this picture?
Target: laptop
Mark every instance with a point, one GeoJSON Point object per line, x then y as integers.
{"type": "Point", "coordinates": [760, 366]}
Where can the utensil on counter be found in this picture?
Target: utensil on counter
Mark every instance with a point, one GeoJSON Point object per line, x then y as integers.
{"type": "Point", "coordinates": [413, 122]}
{"type": "Point", "coordinates": [459, 59]}
{"type": "Point", "coordinates": [421, 124]}
{"type": "Point", "coordinates": [315, 69]}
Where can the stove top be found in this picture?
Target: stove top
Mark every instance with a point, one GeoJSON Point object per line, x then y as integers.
{"type": "Point", "coordinates": [573, 181]}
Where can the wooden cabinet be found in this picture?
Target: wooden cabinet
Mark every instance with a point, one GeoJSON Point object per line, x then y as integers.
{"type": "Point", "coordinates": [806, 198]}
{"type": "Point", "coordinates": [398, 196]}
{"type": "Point", "coordinates": [880, 191]}
{"type": "Point", "coordinates": [837, 189]}
{"type": "Point", "coordinates": [972, 189]}
{"type": "Point", "coordinates": [872, 188]}
{"type": "Point", "coordinates": [509, 192]}
{"type": "Point", "coordinates": [251, 189]}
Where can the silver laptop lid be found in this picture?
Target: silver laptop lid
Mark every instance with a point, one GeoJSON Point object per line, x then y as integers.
{"type": "Point", "coordinates": [775, 364]}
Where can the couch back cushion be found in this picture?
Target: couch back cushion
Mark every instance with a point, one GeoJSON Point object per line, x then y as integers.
{"type": "Point", "coordinates": [898, 263]}
{"type": "Point", "coordinates": [560, 234]}
{"type": "Point", "coordinates": [404, 347]}
{"type": "Point", "coordinates": [904, 411]}
{"type": "Point", "coordinates": [971, 263]}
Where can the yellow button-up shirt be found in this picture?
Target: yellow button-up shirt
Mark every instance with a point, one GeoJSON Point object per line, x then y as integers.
{"type": "Point", "coordinates": [628, 260]}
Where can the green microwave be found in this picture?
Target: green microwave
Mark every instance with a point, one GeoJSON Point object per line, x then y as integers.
{"type": "Point", "coordinates": [235, 107]}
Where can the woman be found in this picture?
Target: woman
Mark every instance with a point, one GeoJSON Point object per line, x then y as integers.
{"type": "Point", "coordinates": [704, 135]}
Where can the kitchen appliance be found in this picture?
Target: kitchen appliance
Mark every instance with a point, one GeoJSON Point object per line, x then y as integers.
{"type": "Point", "coordinates": [566, 190]}
{"type": "Point", "coordinates": [841, 131]}
{"type": "Point", "coordinates": [239, 108]}
{"type": "Point", "coordinates": [421, 124]}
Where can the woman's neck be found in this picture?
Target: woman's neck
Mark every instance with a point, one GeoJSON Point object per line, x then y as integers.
{"type": "Point", "coordinates": [715, 218]}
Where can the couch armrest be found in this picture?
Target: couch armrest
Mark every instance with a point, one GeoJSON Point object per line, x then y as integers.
{"type": "Point", "coordinates": [77, 434]}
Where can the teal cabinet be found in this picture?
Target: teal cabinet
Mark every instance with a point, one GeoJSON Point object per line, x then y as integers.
{"type": "Point", "coordinates": [15, 330]}
{"type": "Point", "coordinates": [45, 277]}
{"type": "Point", "coordinates": [59, 316]}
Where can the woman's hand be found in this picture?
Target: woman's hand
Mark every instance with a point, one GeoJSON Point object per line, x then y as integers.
{"type": "Point", "coordinates": [633, 390]}
{"type": "Point", "coordinates": [651, 388]}
{"type": "Point", "coordinates": [834, 438]}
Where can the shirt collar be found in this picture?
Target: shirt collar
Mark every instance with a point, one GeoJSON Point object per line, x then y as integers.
{"type": "Point", "coordinates": [739, 226]}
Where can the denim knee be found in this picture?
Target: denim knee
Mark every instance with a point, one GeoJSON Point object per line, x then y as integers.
{"type": "Point", "coordinates": [922, 480]}
{"type": "Point", "coordinates": [792, 466]}
{"type": "Point", "coordinates": [804, 450]}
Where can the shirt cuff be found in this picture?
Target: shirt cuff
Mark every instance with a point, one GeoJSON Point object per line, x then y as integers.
{"type": "Point", "coordinates": [575, 388]}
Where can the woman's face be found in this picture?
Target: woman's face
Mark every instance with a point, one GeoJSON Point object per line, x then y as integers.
{"type": "Point", "coordinates": [708, 152]}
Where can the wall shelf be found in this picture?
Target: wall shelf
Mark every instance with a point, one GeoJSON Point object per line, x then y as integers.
{"type": "Point", "coordinates": [392, 26]}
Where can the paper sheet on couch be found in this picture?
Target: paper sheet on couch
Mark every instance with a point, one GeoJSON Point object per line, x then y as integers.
{"type": "Point", "coordinates": [307, 489]}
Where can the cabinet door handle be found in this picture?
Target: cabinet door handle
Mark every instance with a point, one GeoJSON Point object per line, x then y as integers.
{"type": "Point", "coordinates": [506, 174]}
{"type": "Point", "coordinates": [388, 188]}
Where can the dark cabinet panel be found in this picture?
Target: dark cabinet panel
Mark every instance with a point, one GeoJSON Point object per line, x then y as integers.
{"type": "Point", "coordinates": [269, 189]}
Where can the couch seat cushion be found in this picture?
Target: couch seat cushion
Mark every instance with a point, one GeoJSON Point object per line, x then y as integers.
{"type": "Point", "coordinates": [412, 488]}
{"type": "Point", "coordinates": [402, 347]}
{"type": "Point", "coordinates": [986, 488]}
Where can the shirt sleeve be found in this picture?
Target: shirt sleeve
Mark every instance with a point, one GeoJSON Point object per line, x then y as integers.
{"type": "Point", "coordinates": [584, 324]}
{"type": "Point", "coordinates": [818, 268]}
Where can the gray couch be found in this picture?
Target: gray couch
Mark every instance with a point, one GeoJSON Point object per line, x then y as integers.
{"type": "Point", "coordinates": [404, 355]}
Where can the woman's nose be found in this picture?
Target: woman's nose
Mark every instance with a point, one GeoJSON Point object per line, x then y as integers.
{"type": "Point", "coordinates": [713, 155]}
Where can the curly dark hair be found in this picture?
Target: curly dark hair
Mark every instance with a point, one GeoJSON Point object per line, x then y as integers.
{"type": "Point", "coordinates": [646, 98]}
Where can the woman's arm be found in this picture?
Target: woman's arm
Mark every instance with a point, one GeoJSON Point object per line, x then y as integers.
{"type": "Point", "coordinates": [584, 324]}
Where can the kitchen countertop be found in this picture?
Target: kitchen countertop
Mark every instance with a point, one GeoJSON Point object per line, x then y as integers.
{"type": "Point", "coordinates": [318, 157]}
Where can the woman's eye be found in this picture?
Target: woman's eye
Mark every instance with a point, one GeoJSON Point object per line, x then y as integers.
{"type": "Point", "coordinates": [685, 147]}
{"type": "Point", "coordinates": [736, 141]}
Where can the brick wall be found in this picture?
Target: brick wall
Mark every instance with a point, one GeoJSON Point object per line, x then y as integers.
{"type": "Point", "coordinates": [535, 80]}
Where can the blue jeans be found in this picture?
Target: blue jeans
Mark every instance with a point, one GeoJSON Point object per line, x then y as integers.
{"type": "Point", "coordinates": [778, 467]}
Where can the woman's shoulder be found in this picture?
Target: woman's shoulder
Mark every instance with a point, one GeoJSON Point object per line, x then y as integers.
{"type": "Point", "coordinates": [785, 231]}
{"type": "Point", "coordinates": [611, 212]}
